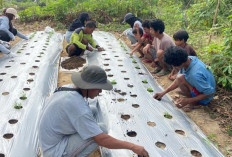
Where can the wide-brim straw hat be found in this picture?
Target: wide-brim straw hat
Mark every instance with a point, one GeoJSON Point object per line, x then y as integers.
{"type": "Point", "coordinates": [12, 11]}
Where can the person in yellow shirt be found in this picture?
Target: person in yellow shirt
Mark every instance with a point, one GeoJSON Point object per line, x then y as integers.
{"type": "Point", "coordinates": [80, 40]}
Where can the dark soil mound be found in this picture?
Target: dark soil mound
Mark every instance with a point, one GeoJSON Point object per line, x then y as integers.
{"type": "Point", "coordinates": [73, 63]}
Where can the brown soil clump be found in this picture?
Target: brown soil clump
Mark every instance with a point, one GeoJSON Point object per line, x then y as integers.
{"type": "Point", "coordinates": [73, 63]}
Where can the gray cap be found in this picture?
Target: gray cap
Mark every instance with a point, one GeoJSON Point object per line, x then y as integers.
{"type": "Point", "coordinates": [127, 17]}
{"type": "Point", "coordinates": [91, 77]}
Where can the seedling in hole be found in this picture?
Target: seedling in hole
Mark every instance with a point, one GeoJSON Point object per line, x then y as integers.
{"type": "Point", "coordinates": [131, 56]}
{"type": "Point", "coordinates": [18, 52]}
{"type": "Point", "coordinates": [167, 115]}
{"type": "Point", "coordinates": [113, 82]}
{"type": "Point", "coordinates": [134, 61]}
{"type": "Point", "coordinates": [137, 67]}
{"type": "Point", "coordinates": [149, 89]}
{"type": "Point", "coordinates": [144, 81]}
{"type": "Point", "coordinates": [18, 105]}
{"type": "Point", "coordinates": [23, 97]}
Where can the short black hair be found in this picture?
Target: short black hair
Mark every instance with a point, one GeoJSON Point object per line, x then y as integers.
{"type": "Point", "coordinates": [134, 31]}
{"type": "Point", "coordinates": [180, 35]}
{"type": "Point", "coordinates": [91, 24]}
{"type": "Point", "coordinates": [175, 56]}
{"type": "Point", "coordinates": [146, 24]}
{"type": "Point", "coordinates": [157, 24]}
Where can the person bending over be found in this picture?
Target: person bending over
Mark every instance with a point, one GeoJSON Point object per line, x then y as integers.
{"type": "Point", "coordinates": [7, 30]}
{"type": "Point", "coordinates": [195, 81]}
{"type": "Point", "coordinates": [68, 127]}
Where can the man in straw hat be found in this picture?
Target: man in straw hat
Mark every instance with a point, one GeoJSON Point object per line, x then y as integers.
{"type": "Point", "coordinates": [68, 127]}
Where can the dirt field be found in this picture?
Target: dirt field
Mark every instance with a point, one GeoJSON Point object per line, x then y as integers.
{"type": "Point", "coordinates": [212, 120]}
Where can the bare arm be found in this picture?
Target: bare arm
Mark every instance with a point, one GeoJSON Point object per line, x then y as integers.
{"type": "Point", "coordinates": [112, 143]}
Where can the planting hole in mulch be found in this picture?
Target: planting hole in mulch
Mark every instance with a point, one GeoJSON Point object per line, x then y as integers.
{"type": "Point", "coordinates": [106, 64]}
{"type": "Point", "coordinates": [13, 76]}
{"type": "Point", "coordinates": [35, 41]}
{"type": "Point", "coordinates": [120, 65]}
{"type": "Point", "coordinates": [103, 54]}
{"type": "Point", "coordinates": [122, 93]}
{"type": "Point", "coordinates": [116, 56]}
{"type": "Point", "coordinates": [37, 60]}
{"type": "Point", "coordinates": [134, 95]}
{"type": "Point", "coordinates": [107, 59]}
{"type": "Point", "coordinates": [73, 63]}
{"type": "Point", "coordinates": [1, 80]}
{"type": "Point", "coordinates": [119, 60]}
{"type": "Point", "coordinates": [125, 116]}
{"type": "Point", "coordinates": [5, 93]}
{"type": "Point", "coordinates": [41, 53]}
{"type": "Point", "coordinates": [44, 49]}
{"type": "Point", "coordinates": [13, 121]}
{"type": "Point", "coordinates": [23, 63]}
{"type": "Point", "coordinates": [113, 51]}
{"type": "Point", "coordinates": [107, 70]}
{"type": "Point", "coordinates": [35, 67]}
{"type": "Point", "coordinates": [30, 80]}
{"type": "Point", "coordinates": [39, 56]}
{"type": "Point", "coordinates": [8, 136]}
{"type": "Point", "coordinates": [27, 54]}
{"type": "Point", "coordinates": [121, 100]}
{"type": "Point", "coordinates": [110, 75]}
{"type": "Point", "coordinates": [26, 89]}
{"type": "Point", "coordinates": [130, 85]}
{"type": "Point", "coordinates": [131, 133]}
{"type": "Point", "coordinates": [11, 61]}
{"type": "Point", "coordinates": [196, 153]}
{"type": "Point", "coordinates": [23, 98]}
{"type": "Point", "coordinates": [31, 73]}
{"type": "Point", "coordinates": [2, 155]}
{"type": "Point", "coordinates": [105, 38]}
{"type": "Point", "coordinates": [117, 90]}
{"type": "Point", "coordinates": [7, 66]}
{"type": "Point", "coordinates": [181, 132]}
{"type": "Point", "coordinates": [140, 73]}
{"type": "Point", "coordinates": [135, 105]}
{"type": "Point", "coordinates": [32, 46]}
{"type": "Point", "coordinates": [45, 46]}
{"type": "Point", "coordinates": [2, 73]}
{"type": "Point", "coordinates": [109, 45]}
{"type": "Point", "coordinates": [151, 124]}
{"type": "Point", "coordinates": [123, 71]}
{"type": "Point", "coordinates": [126, 78]}
{"type": "Point", "coordinates": [160, 145]}
{"type": "Point", "coordinates": [110, 48]}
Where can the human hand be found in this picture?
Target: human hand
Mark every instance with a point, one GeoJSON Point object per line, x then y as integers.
{"type": "Point", "coordinates": [100, 49]}
{"type": "Point", "coordinates": [90, 48]}
{"type": "Point", "coordinates": [131, 53]}
{"type": "Point", "coordinates": [182, 102]}
{"type": "Point", "coordinates": [158, 96]}
{"type": "Point", "coordinates": [140, 151]}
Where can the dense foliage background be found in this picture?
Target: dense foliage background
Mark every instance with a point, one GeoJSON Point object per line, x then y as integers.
{"type": "Point", "coordinates": [208, 22]}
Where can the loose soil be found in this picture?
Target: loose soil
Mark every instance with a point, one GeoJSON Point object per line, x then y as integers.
{"type": "Point", "coordinates": [74, 62]}
{"type": "Point", "coordinates": [213, 120]}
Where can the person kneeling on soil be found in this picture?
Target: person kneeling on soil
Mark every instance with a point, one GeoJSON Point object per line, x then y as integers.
{"type": "Point", "coordinates": [80, 39]}
{"type": "Point", "coordinates": [138, 33]}
{"type": "Point", "coordinates": [68, 127]}
{"type": "Point", "coordinates": [7, 30]}
{"type": "Point", "coordinates": [195, 81]}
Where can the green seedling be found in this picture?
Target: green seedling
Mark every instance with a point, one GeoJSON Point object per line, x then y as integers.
{"type": "Point", "coordinates": [18, 52]}
{"type": "Point", "coordinates": [131, 56]}
{"type": "Point", "coordinates": [23, 97]}
{"type": "Point", "coordinates": [144, 81]}
{"type": "Point", "coordinates": [113, 82]}
{"type": "Point", "coordinates": [137, 67]}
{"type": "Point", "coordinates": [149, 89]}
{"type": "Point", "coordinates": [167, 115]}
{"type": "Point", "coordinates": [134, 61]}
{"type": "Point", "coordinates": [18, 105]}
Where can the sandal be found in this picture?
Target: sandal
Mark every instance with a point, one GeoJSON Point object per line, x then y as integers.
{"type": "Point", "coordinates": [157, 70]}
{"type": "Point", "coordinates": [147, 61]}
{"type": "Point", "coordinates": [162, 73]}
